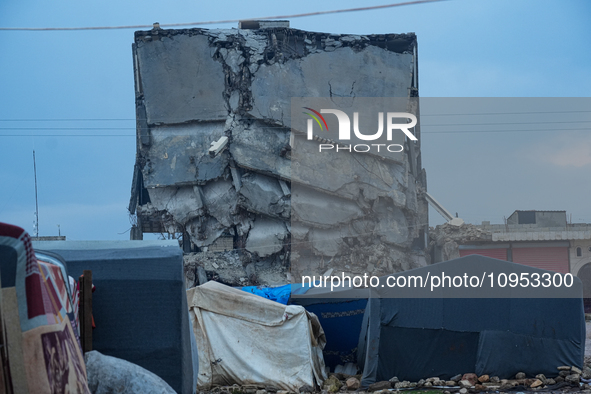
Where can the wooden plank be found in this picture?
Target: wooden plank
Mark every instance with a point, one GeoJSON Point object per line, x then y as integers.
{"type": "Point", "coordinates": [86, 311]}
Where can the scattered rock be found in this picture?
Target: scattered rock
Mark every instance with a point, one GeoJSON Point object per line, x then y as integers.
{"type": "Point", "coordinates": [470, 377]}
{"type": "Point", "coordinates": [564, 373]}
{"type": "Point", "coordinates": [464, 391]}
{"type": "Point", "coordinates": [457, 378]}
{"type": "Point", "coordinates": [421, 383]}
{"type": "Point", "coordinates": [428, 384]}
{"type": "Point", "coordinates": [377, 386]}
{"type": "Point", "coordinates": [484, 379]}
{"type": "Point", "coordinates": [340, 376]}
{"type": "Point", "coordinates": [465, 383]}
{"type": "Point", "coordinates": [520, 375]}
{"type": "Point", "coordinates": [108, 374]}
{"type": "Point", "coordinates": [564, 368]}
{"type": "Point", "coordinates": [542, 377]}
{"type": "Point", "coordinates": [586, 373]}
{"type": "Point", "coordinates": [402, 385]}
{"type": "Point", "coordinates": [262, 392]}
{"type": "Point", "coordinates": [450, 383]}
{"type": "Point", "coordinates": [559, 379]}
{"type": "Point", "coordinates": [550, 382]}
{"type": "Point", "coordinates": [332, 384]}
{"type": "Point", "coordinates": [573, 378]}
{"type": "Point", "coordinates": [479, 387]}
{"type": "Point", "coordinates": [536, 383]}
{"type": "Point", "coordinates": [352, 384]}
{"type": "Point", "coordinates": [394, 380]}
{"type": "Point", "coordinates": [576, 370]}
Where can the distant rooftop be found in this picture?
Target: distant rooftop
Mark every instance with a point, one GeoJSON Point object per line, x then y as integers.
{"type": "Point", "coordinates": [535, 225]}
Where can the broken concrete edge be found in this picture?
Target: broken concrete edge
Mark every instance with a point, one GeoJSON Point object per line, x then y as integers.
{"type": "Point", "coordinates": [445, 239]}
{"type": "Point", "coordinates": [395, 42]}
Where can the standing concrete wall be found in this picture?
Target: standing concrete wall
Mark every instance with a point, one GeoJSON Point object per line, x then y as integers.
{"type": "Point", "coordinates": [195, 86]}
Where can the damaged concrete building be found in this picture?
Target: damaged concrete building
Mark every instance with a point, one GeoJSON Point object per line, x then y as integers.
{"type": "Point", "coordinates": [214, 153]}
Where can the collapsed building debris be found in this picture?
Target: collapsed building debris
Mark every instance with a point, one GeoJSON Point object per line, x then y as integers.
{"type": "Point", "coordinates": [215, 163]}
{"type": "Point", "coordinates": [446, 238]}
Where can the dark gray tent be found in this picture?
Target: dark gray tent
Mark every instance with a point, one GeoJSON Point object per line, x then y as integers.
{"type": "Point", "coordinates": [139, 306]}
{"type": "Point", "coordinates": [340, 313]}
{"type": "Point", "coordinates": [414, 334]}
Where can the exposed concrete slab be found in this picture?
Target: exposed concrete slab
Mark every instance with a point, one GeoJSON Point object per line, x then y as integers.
{"type": "Point", "coordinates": [327, 242]}
{"type": "Point", "coordinates": [314, 208]}
{"type": "Point", "coordinates": [258, 147]}
{"type": "Point", "coordinates": [204, 230]}
{"type": "Point", "coordinates": [411, 195]}
{"type": "Point", "coordinates": [348, 175]}
{"type": "Point", "coordinates": [266, 237]}
{"type": "Point", "coordinates": [181, 202]}
{"type": "Point", "coordinates": [367, 116]}
{"type": "Point", "coordinates": [220, 201]}
{"type": "Point", "coordinates": [180, 79]}
{"type": "Point", "coordinates": [179, 155]}
{"type": "Point", "coordinates": [371, 72]}
{"type": "Point", "coordinates": [392, 225]}
{"type": "Point", "coordinates": [298, 231]}
{"type": "Point", "coordinates": [264, 195]}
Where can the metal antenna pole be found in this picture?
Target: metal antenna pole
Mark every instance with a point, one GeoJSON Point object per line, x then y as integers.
{"type": "Point", "coordinates": [36, 201]}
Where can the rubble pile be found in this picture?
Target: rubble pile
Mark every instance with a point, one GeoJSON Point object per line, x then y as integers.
{"type": "Point", "coordinates": [214, 152]}
{"type": "Point", "coordinates": [447, 237]}
{"type": "Point", "coordinates": [569, 379]}
{"type": "Point", "coordinates": [234, 268]}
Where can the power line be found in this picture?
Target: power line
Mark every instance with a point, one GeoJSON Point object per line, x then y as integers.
{"type": "Point", "coordinates": [508, 113]}
{"type": "Point", "coordinates": [67, 128]}
{"type": "Point", "coordinates": [498, 131]}
{"type": "Point", "coordinates": [422, 115]}
{"type": "Point", "coordinates": [498, 123]}
{"type": "Point", "coordinates": [285, 127]}
{"type": "Point", "coordinates": [65, 120]}
{"type": "Point", "coordinates": [220, 21]}
{"type": "Point", "coordinates": [67, 135]}
{"type": "Point", "coordinates": [423, 132]}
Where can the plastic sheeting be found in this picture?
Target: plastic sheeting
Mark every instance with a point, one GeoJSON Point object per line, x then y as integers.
{"type": "Point", "coordinates": [278, 294]}
{"type": "Point", "coordinates": [414, 338]}
{"type": "Point", "coordinates": [245, 339]}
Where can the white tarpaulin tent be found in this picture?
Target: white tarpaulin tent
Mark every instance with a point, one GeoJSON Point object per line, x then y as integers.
{"type": "Point", "coordinates": [246, 339]}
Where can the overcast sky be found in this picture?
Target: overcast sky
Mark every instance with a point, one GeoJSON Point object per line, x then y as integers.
{"type": "Point", "coordinates": [80, 84]}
